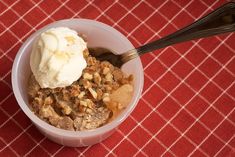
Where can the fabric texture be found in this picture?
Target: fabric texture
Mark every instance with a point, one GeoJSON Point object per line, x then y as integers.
{"type": "Point", "coordinates": [187, 106]}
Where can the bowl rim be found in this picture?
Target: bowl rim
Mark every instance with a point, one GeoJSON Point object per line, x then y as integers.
{"type": "Point", "coordinates": [61, 132]}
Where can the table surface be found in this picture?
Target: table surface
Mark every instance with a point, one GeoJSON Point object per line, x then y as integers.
{"type": "Point", "coordinates": [187, 106]}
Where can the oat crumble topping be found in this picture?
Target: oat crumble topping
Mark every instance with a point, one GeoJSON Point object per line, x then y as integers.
{"type": "Point", "coordinates": [90, 102]}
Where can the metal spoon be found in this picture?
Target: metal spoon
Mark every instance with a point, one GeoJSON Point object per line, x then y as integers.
{"type": "Point", "coordinates": [219, 21]}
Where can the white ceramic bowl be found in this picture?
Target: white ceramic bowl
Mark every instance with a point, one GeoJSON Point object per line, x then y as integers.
{"type": "Point", "coordinates": [98, 34]}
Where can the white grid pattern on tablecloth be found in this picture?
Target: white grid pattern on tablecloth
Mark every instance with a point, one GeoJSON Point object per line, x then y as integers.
{"type": "Point", "coordinates": [156, 57]}
{"type": "Point", "coordinates": [154, 82]}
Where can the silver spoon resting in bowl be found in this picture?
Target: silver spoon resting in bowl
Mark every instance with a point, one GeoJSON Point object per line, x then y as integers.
{"type": "Point", "coordinates": [221, 20]}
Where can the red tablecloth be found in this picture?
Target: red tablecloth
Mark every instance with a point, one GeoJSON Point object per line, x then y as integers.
{"type": "Point", "coordinates": [188, 102]}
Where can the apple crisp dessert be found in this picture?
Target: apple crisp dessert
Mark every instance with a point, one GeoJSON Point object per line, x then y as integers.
{"type": "Point", "coordinates": [95, 99]}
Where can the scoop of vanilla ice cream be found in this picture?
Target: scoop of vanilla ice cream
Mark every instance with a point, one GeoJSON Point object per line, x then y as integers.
{"type": "Point", "coordinates": [57, 57]}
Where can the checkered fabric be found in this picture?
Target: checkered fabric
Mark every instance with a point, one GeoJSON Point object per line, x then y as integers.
{"type": "Point", "coordinates": [187, 106]}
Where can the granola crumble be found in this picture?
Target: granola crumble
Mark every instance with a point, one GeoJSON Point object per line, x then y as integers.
{"type": "Point", "coordinates": [97, 97]}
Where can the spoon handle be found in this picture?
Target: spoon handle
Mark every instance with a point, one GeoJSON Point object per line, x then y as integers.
{"type": "Point", "coordinates": [219, 21]}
